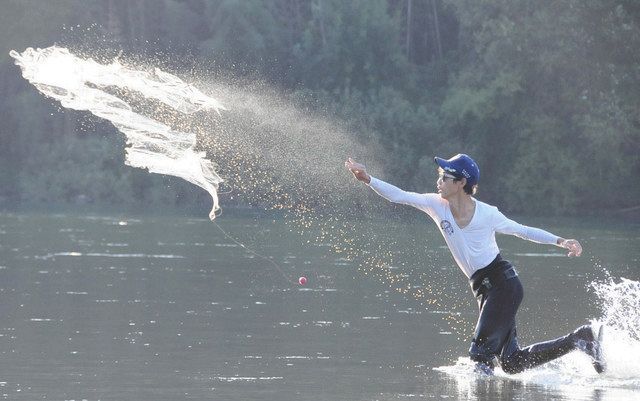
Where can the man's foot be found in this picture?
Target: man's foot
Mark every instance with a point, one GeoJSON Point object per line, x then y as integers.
{"type": "Point", "coordinates": [483, 369]}
{"type": "Point", "coordinates": [599, 364]}
{"type": "Point", "coordinates": [591, 345]}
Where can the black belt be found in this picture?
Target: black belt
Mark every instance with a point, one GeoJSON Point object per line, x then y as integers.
{"type": "Point", "coordinates": [494, 274]}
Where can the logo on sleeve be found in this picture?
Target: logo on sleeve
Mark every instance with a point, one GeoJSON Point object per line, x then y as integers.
{"type": "Point", "coordinates": [445, 225]}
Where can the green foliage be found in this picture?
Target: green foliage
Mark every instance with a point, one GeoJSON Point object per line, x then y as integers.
{"type": "Point", "coordinates": [51, 174]}
{"type": "Point", "coordinates": [179, 19]}
{"type": "Point", "coordinates": [543, 94]}
{"type": "Point", "coordinates": [349, 45]}
{"type": "Point", "coordinates": [33, 23]}
{"type": "Point", "coordinates": [241, 32]}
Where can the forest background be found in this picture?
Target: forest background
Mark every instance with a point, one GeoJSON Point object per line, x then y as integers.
{"type": "Point", "coordinates": [544, 94]}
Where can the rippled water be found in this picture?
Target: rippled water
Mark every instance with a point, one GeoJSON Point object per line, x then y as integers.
{"type": "Point", "coordinates": [105, 308]}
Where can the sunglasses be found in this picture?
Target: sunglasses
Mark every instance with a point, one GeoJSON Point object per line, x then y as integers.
{"type": "Point", "coordinates": [443, 177]}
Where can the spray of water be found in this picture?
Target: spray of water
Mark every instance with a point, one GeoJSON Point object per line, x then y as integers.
{"type": "Point", "coordinates": [83, 84]}
{"type": "Point", "coordinates": [271, 153]}
{"type": "Point", "coordinates": [620, 300]}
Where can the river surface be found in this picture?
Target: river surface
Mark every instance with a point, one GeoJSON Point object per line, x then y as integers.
{"type": "Point", "coordinates": [177, 308]}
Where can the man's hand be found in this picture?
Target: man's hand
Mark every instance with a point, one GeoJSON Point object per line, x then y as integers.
{"type": "Point", "coordinates": [574, 247]}
{"type": "Point", "coordinates": [359, 170]}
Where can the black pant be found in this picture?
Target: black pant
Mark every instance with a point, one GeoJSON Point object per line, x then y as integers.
{"type": "Point", "coordinates": [499, 294]}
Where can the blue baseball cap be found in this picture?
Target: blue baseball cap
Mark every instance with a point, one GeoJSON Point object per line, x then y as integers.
{"type": "Point", "coordinates": [460, 166]}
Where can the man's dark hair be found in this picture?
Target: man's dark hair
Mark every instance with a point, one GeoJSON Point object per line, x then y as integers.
{"type": "Point", "coordinates": [468, 188]}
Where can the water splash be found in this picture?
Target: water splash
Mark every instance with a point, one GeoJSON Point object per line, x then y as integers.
{"type": "Point", "coordinates": [573, 375]}
{"type": "Point", "coordinates": [621, 315]}
{"type": "Point", "coordinates": [621, 306]}
{"type": "Point", "coordinates": [84, 84]}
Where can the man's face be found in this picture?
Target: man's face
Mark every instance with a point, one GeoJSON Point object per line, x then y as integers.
{"type": "Point", "coordinates": [447, 184]}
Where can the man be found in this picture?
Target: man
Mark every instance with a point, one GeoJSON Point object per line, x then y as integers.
{"type": "Point", "coordinates": [468, 227]}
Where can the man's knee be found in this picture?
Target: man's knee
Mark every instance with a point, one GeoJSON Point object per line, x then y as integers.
{"type": "Point", "coordinates": [512, 364]}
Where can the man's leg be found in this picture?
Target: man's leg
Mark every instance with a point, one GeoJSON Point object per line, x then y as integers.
{"type": "Point", "coordinates": [515, 360]}
{"type": "Point", "coordinates": [498, 307]}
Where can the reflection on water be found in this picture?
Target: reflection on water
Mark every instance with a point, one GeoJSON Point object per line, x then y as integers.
{"type": "Point", "coordinates": [164, 309]}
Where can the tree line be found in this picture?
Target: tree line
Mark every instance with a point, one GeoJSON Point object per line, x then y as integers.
{"type": "Point", "coordinates": [543, 94]}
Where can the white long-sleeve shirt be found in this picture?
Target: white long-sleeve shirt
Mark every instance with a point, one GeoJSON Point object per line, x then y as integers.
{"type": "Point", "coordinates": [473, 246]}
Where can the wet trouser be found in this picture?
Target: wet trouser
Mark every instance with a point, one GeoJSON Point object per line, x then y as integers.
{"type": "Point", "coordinates": [499, 293]}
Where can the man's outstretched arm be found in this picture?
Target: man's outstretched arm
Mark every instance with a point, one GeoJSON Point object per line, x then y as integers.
{"type": "Point", "coordinates": [507, 226]}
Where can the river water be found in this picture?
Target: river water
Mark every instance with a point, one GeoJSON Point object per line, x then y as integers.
{"type": "Point", "coordinates": [173, 308]}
